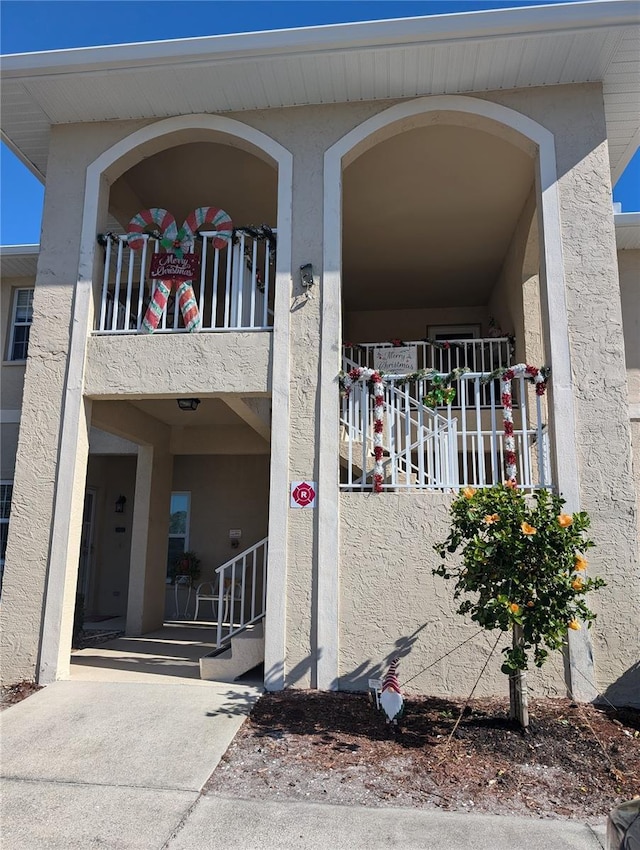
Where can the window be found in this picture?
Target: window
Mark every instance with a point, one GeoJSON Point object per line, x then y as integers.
{"type": "Point", "coordinates": [21, 324]}
{"type": "Point", "coordinates": [178, 527]}
{"type": "Point", "coordinates": [6, 491]}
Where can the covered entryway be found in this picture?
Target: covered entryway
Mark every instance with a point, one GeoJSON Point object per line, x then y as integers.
{"type": "Point", "coordinates": [181, 523]}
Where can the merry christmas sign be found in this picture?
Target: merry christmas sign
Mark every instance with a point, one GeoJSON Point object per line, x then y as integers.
{"type": "Point", "coordinates": [170, 266]}
{"type": "Point", "coordinates": [396, 360]}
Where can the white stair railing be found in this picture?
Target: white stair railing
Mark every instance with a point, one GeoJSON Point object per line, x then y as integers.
{"type": "Point", "coordinates": [242, 590]}
{"type": "Point", "coordinates": [234, 290]}
{"type": "Point", "coordinates": [419, 444]}
{"type": "Point", "coordinates": [462, 445]}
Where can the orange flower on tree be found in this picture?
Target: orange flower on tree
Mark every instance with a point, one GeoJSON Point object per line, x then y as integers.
{"type": "Point", "coordinates": [511, 484]}
{"type": "Point", "coordinates": [580, 562]}
{"type": "Point", "coordinates": [575, 625]}
{"type": "Point", "coordinates": [565, 520]}
{"type": "Point", "coordinates": [468, 492]}
{"type": "Point", "coordinates": [514, 607]}
{"type": "Point", "coordinates": [491, 518]}
{"type": "Point", "coordinates": [527, 529]}
{"type": "Point", "coordinates": [577, 583]}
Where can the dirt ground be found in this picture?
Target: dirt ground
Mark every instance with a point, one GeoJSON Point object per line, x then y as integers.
{"type": "Point", "coordinates": [11, 694]}
{"type": "Point", "coordinates": [575, 761]}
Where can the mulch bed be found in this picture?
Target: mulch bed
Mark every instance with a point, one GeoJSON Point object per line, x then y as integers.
{"type": "Point", "coordinates": [575, 761]}
{"type": "Point", "coordinates": [11, 694]}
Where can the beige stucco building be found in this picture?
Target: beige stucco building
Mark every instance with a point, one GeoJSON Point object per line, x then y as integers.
{"type": "Point", "coordinates": [444, 182]}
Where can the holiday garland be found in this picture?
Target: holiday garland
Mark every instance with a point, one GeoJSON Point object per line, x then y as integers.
{"type": "Point", "coordinates": [443, 392]}
{"type": "Point", "coordinates": [539, 378]}
{"type": "Point", "coordinates": [347, 381]}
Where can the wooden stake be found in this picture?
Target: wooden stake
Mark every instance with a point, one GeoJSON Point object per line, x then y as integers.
{"type": "Point", "coordinates": [518, 692]}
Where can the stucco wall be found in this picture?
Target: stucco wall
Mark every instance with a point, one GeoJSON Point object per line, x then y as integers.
{"type": "Point", "coordinates": [384, 325]}
{"type": "Point", "coordinates": [575, 115]}
{"type": "Point", "coordinates": [629, 270]}
{"type": "Point", "coordinates": [178, 364]}
{"type": "Point", "coordinates": [391, 604]}
{"type": "Point", "coordinates": [230, 491]}
{"type": "Point", "coordinates": [227, 491]}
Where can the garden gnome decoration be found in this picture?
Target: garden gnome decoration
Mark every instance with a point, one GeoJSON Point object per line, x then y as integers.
{"type": "Point", "coordinates": [391, 698]}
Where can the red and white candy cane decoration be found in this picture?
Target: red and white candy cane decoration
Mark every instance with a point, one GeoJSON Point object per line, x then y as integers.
{"type": "Point", "coordinates": [210, 218]}
{"type": "Point", "coordinates": [154, 219]}
{"type": "Point", "coordinates": [170, 238]}
{"type": "Point", "coordinates": [507, 413]}
{"type": "Point", "coordinates": [362, 374]}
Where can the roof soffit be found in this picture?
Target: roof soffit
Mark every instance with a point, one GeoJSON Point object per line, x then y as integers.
{"type": "Point", "coordinates": [446, 54]}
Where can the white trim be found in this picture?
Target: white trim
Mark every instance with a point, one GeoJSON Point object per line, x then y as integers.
{"type": "Point", "coordinates": [18, 250]}
{"type": "Point", "coordinates": [276, 600]}
{"type": "Point", "coordinates": [50, 665]}
{"type": "Point", "coordinates": [554, 315]}
{"type": "Point", "coordinates": [542, 20]}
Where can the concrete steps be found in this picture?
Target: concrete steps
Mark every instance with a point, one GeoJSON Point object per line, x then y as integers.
{"type": "Point", "coordinates": [245, 651]}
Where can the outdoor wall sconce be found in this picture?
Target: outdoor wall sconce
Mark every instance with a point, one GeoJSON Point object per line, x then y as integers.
{"type": "Point", "coordinates": [188, 403]}
{"type": "Point", "coordinates": [306, 276]}
{"type": "Point", "coordinates": [120, 503]}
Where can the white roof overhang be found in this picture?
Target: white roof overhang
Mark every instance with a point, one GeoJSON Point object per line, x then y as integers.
{"type": "Point", "coordinates": [18, 260]}
{"type": "Point", "coordinates": [627, 231]}
{"type": "Point", "coordinates": [444, 54]}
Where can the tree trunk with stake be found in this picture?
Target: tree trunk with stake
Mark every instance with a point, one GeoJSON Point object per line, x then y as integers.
{"type": "Point", "coordinates": [518, 694]}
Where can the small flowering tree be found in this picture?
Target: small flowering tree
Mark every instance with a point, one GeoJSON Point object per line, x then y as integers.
{"type": "Point", "coordinates": [523, 560]}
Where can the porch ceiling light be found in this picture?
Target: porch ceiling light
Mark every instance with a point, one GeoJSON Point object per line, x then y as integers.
{"type": "Point", "coordinates": [188, 403]}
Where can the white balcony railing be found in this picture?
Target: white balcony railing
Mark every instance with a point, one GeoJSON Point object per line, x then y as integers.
{"type": "Point", "coordinates": [477, 355]}
{"type": "Point", "coordinates": [234, 290]}
{"type": "Point", "coordinates": [443, 448]}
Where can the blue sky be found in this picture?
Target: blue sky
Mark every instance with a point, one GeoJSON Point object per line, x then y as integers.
{"type": "Point", "coordinates": [30, 26]}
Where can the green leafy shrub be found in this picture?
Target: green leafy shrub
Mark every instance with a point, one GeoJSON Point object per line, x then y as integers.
{"type": "Point", "coordinates": [523, 559]}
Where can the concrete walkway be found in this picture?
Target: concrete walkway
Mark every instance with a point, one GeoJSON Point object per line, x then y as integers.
{"type": "Point", "coordinates": [120, 766]}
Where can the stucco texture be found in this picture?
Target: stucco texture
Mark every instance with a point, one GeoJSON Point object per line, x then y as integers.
{"type": "Point", "coordinates": [391, 604]}
{"type": "Point", "coordinates": [131, 365]}
{"type": "Point", "coordinates": [629, 269]}
{"type": "Point", "coordinates": [177, 364]}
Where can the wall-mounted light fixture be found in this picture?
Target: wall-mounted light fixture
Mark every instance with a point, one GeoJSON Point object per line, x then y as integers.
{"type": "Point", "coordinates": [306, 276]}
{"type": "Point", "coordinates": [121, 501]}
{"type": "Point", "coordinates": [188, 403]}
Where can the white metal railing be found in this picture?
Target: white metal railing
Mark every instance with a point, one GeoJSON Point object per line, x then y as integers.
{"type": "Point", "coordinates": [462, 445]}
{"type": "Point", "coordinates": [419, 444]}
{"type": "Point", "coordinates": [242, 590]}
{"type": "Point", "coordinates": [477, 355]}
{"type": "Point", "coordinates": [234, 290]}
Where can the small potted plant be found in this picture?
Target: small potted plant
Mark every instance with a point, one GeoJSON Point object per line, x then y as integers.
{"type": "Point", "coordinates": [186, 568]}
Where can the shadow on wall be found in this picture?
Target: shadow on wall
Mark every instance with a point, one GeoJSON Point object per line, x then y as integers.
{"type": "Point", "coordinates": [304, 668]}
{"type": "Point", "coordinates": [626, 689]}
{"type": "Point", "coordinates": [357, 680]}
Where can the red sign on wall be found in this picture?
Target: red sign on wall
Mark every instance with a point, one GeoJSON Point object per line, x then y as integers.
{"type": "Point", "coordinates": [303, 494]}
{"type": "Point", "coordinates": [165, 266]}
